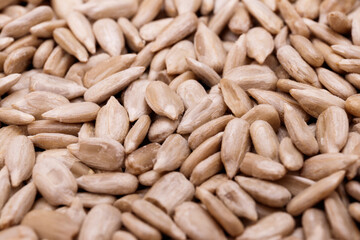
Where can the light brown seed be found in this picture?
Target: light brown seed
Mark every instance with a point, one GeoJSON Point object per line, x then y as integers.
{"type": "Point", "coordinates": [203, 71]}
{"type": "Point", "coordinates": [315, 224]}
{"type": "Point", "coordinates": [150, 30]}
{"type": "Point", "coordinates": [149, 178]}
{"type": "Point", "coordinates": [314, 193]}
{"type": "Point", "coordinates": [167, 195]}
{"type": "Point", "coordinates": [179, 28]}
{"type": "Point", "coordinates": [50, 224]}
{"type": "Point", "coordinates": [264, 139]}
{"type": "Point", "coordinates": [256, 37]}
{"type": "Point", "coordinates": [13, 116]}
{"type": "Point", "coordinates": [157, 218]}
{"type": "Point", "coordinates": [330, 57]}
{"type": "Point", "coordinates": [131, 34]}
{"type": "Point", "coordinates": [308, 8]}
{"type": "Point", "coordinates": [206, 169]}
{"type": "Point", "coordinates": [137, 134]}
{"type": "Point", "coordinates": [240, 21]}
{"type": "Point", "coordinates": [176, 57]}
{"type": "Point", "coordinates": [339, 22]}
{"type": "Point", "coordinates": [141, 230]}
{"type": "Point", "coordinates": [197, 222]}
{"type": "Point", "coordinates": [7, 82]}
{"type": "Point", "coordinates": [112, 84]}
{"type": "Point", "coordinates": [113, 183]}
{"type": "Point", "coordinates": [123, 235]}
{"type": "Point", "coordinates": [289, 155]}
{"type": "Point", "coordinates": [142, 159]}
{"type": "Point", "coordinates": [19, 231]}
{"type": "Point", "coordinates": [277, 223]}
{"type": "Point", "coordinates": [220, 212]}
{"type": "Point", "coordinates": [252, 76]}
{"type": "Point", "coordinates": [5, 42]}
{"type": "Point", "coordinates": [46, 29]}
{"type": "Point", "coordinates": [342, 225]}
{"type": "Point", "coordinates": [264, 112]}
{"type": "Point", "coordinates": [161, 128]}
{"type": "Point", "coordinates": [307, 50]}
{"type": "Point", "coordinates": [292, 18]}
{"type": "Point", "coordinates": [17, 206]}
{"type": "Point", "coordinates": [237, 55]}
{"type": "Point", "coordinates": [124, 203]}
{"type": "Point", "coordinates": [147, 11]}
{"type": "Point", "coordinates": [6, 134]}
{"type": "Point", "coordinates": [18, 60]}
{"type": "Point", "coordinates": [354, 211]}
{"type": "Point", "coordinates": [191, 92]}
{"type": "Point", "coordinates": [5, 186]}
{"type": "Point", "coordinates": [101, 222]}
{"type": "Point", "coordinates": [90, 200]}
{"type": "Point", "coordinates": [212, 183]}
{"type": "Point", "coordinates": [43, 53]}
{"type": "Point", "coordinates": [76, 212]}
{"type": "Point", "coordinates": [299, 132]}
{"type": "Point", "coordinates": [295, 184]}
{"type": "Point", "coordinates": [58, 62]}
{"type": "Point", "coordinates": [187, 6]}
{"type": "Point", "coordinates": [351, 105]}
{"type": "Point", "coordinates": [81, 28]}
{"type": "Point", "coordinates": [52, 140]}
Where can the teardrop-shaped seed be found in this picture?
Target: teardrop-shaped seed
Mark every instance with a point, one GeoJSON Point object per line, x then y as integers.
{"type": "Point", "coordinates": [142, 159]}
{"type": "Point", "coordinates": [256, 37]}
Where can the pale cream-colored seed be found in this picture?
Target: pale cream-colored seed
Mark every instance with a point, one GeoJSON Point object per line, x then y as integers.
{"type": "Point", "coordinates": [292, 62]}
{"type": "Point", "coordinates": [315, 193]}
{"type": "Point", "coordinates": [5, 186]}
{"type": "Point", "coordinates": [292, 18]}
{"type": "Point", "coordinates": [207, 6]}
{"type": "Point", "coordinates": [50, 224]}
{"type": "Point", "coordinates": [87, 130]}
{"type": "Point", "coordinates": [187, 6]}
{"type": "Point", "coordinates": [332, 141]}
{"type": "Point", "coordinates": [141, 230]}
{"type": "Point", "coordinates": [73, 112]}
{"type": "Point", "coordinates": [342, 225]}
{"type": "Point", "coordinates": [17, 206]}
{"type": "Point", "coordinates": [124, 204]}
{"type": "Point", "coordinates": [289, 155]}
{"type": "Point", "coordinates": [351, 147]}
{"type": "Point", "coordinates": [6, 134]}
{"type": "Point", "coordinates": [21, 26]}
{"type": "Point", "coordinates": [197, 222]}
{"type": "Point", "coordinates": [161, 128]}
{"type": "Point", "coordinates": [315, 224]}
{"type": "Point", "coordinates": [208, 48]}
{"type": "Point", "coordinates": [109, 36]}
{"type": "Point", "coordinates": [203, 71]}
{"type": "Point", "coordinates": [7, 82]}
{"type": "Point", "coordinates": [325, 33]}
{"type": "Point", "coordinates": [172, 153]}
{"type": "Point", "coordinates": [137, 134]}
{"type": "Point", "coordinates": [347, 51]}
{"type": "Point", "coordinates": [315, 102]}
{"type": "Point", "coordinates": [268, 19]}
{"type": "Point", "coordinates": [112, 121]}
{"type": "Point", "coordinates": [20, 153]}
{"type": "Point", "coordinates": [113, 84]}
{"type": "Point", "coordinates": [146, 12]}
{"type": "Point", "coordinates": [65, 38]}
{"type": "Point", "coordinates": [206, 169]}
{"type": "Point", "coordinates": [13, 116]}
{"type": "Point", "coordinates": [81, 28]}
{"type": "Point", "coordinates": [222, 17]}
{"type": "Point", "coordinates": [90, 200]}
{"type": "Point", "coordinates": [131, 34]}
{"type": "Point", "coordinates": [142, 159]}
{"type": "Point", "coordinates": [5, 42]}
{"type": "Point", "coordinates": [188, 75]}
{"type": "Point", "coordinates": [76, 212]}
{"type": "Point", "coordinates": [240, 21]}
{"type": "Point", "coordinates": [158, 64]}
{"type": "Point", "coordinates": [307, 50]}
{"type": "Point", "coordinates": [212, 183]}
{"type": "Point", "coordinates": [43, 53]}
{"type": "Point", "coordinates": [113, 183]}
{"type": "Point", "coordinates": [299, 131]}
{"type": "Point", "coordinates": [220, 212]}
{"type": "Point", "coordinates": [261, 167]}
{"type": "Point", "coordinates": [4, 19]}
{"type": "Point", "coordinates": [13, 97]}
{"type": "Point", "coordinates": [101, 222]}
{"type": "Point", "coordinates": [252, 76]}
{"type": "Point", "coordinates": [38, 102]}
{"type": "Point", "coordinates": [329, 6]}
{"type": "Point", "coordinates": [18, 60]}
{"type": "Point", "coordinates": [256, 37]}
{"type": "Point", "coordinates": [264, 139]}
{"type": "Point", "coordinates": [276, 224]}
{"type": "Point", "coordinates": [277, 100]}
{"type": "Point", "coordinates": [191, 92]}
{"type": "Point", "coordinates": [236, 55]}
{"type": "Point", "coordinates": [308, 8]}
{"type": "Point", "coordinates": [150, 30]}
{"type": "Point", "coordinates": [281, 39]}
{"type": "Point", "coordinates": [19, 231]}
{"type": "Point", "coordinates": [46, 29]}
{"type": "Point", "coordinates": [54, 181]}
{"type": "Point", "coordinates": [264, 112]}
{"type": "Point", "coordinates": [176, 57]}
{"type": "Point", "coordinates": [58, 62]}
{"type": "Point", "coordinates": [144, 57]}
{"type": "Point", "coordinates": [179, 28]}
{"type": "Point", "coordinates": [49, 83]}
{"type": "Point", "coordinates": [350, 65]}
{"type": "Point", "coordinates": [323, 165]}
{"type": "Point", "coordinates": [149, 178]}
{"type": "Point", "coordinates": [265, 192]}
{"type": "Point", "coordinates": [157, 218]}
{"type": "Point", "coordinates": [123, 235]}
{"type": "Point", "coordinates": [167, 195]}
{"type": "Point", "coordinates": [109, 9]}
{"type": "Point", "coordinates": [52, 140]}
{"type": "Point", "coordinates": [331, 58]}
{"type": "Point", "coordinates": [237, 200]}
{"type": "Point", "coordinates": [100, 153]}
{"type": "Point", "coordinates": [235, 97]}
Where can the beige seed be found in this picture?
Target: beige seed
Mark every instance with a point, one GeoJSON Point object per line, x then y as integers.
{"type": "Point", "coordinates": [187, 6]}
{"type": "Point", "coordinates": [237, 55]}
{"type": "Point", "coordinates": [191, 93]}
{"type": "Point", "coordinates": [147, 11]}
{"type": "Point", "coordinates": [292, 18]}
{"type": "Point", "coordinates": [206, 169]}
{"type": "Point", "coordinates": [308, 8]}
{"type": "Point", "coordinates": [123, 235]}
{"type": "Point", "coordinates": [142, 159]}
{"type": "Point", "coordinates": [113, 183]}
{"type": "Point", "coordinates": [264, 112]}
{"type": "Point", "coordinates": [101, 222]}
{"type": "Point", "coordinates": [314, 193]}
{"type": "Point", "coordinates": [18, 60]}
{"type": "Point", "coordinates": [161, 128]}
{"type": "Point", "coordinates": [58, 62]}
{"type": "Point", "coordinates": [124, 204]}
{"type": "Point", "coordinates": [90, 200]}
{"type": "Point", "coordinates": [277, 223]}
{"type": "Point", "coordinates": [176, 57]}
{"type": "Point", "coordinates": [87, 130]}
{"type": "Point", "coordinates": [43, 53]}
{"type": "Point", "coordinates": [65, 38]}
{"type": "Point", "coordinates": [5, 186]}
{"type": "Point", "coordinates": [166, 195]}
{"type": "Point", "coordinates": [197, 222]}
{"type": "Point", "coordinates": [149, 178]}
{"type": "Point", "coordinates": [289, 155]}
{"type": "Point", "coordinates": [203, 71]}
{"type": "Point", "coordinates": [150, 30]}
{"type": "Point", "coordinates": [141, 230]}
{"type": "Point", "coordinates": [178, 29]}
{"type": "Point", "coordinates": [354, 211]}
{"type": "Point", "coordinates": [256, 37]}
{"type": "Point", "coordinates": [46, 29]}
{"type": "Point", "coordinates": [49, 126]}
{"type": "Point", "coordinates": [18, 232]}
{"type": "Point", "coordinates": [113, 84]}
{"type": "Point", "coordinates": [50, 224]}
{"type": "Point", "coordinates": [157, 218]}
{"type": "Point", "coordinates": [264, 139]}
{"type": "Point", "coordinates": [137, 134]}
{"type": "Point", "coordinates": [76, 211]}
{"type": "Point", "coordinates": [339, 22]}
{"type": "Point", "coordinates": [315, 224]}
{"type": "Point", "coordinates": [52, 140]}
{"type": "Point", "coordinates": [131, 34]}
{"type": "Point", "coordinates": [212, 183]}
{"type": "Point", "coordinates": [307, 50]}
{"type": "Point", "coordinates": [222, 17]}
{"type": "Point", "coordinates": [331, 58]}
{"type": "Point", "coordinates": [12, 116]}
{"type": "Point", "coordinates": [5, 42]}
{"type": "Point", "coordinates": [295, 184]}
{"type": "Point", "coordinates": [355, 29]}
{"type": "Point", "coordinates": [17, 206]}
{"type": "Point", "coordinates": [6, 134]}
{"type": "Point", "coordinates": [7, 82]}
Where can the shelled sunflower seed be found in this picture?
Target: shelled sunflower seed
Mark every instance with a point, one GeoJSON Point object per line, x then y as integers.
{"type": "Point", "coordinates": [180, 119]}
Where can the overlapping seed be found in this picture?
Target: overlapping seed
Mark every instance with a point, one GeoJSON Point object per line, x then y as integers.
{"type": "Point", "coordinates": [181, 119]}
